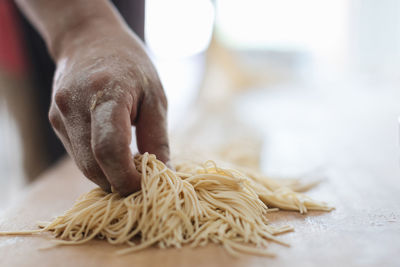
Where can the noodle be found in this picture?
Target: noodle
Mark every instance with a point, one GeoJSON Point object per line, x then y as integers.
{"type": "Point", "coordinates": [192, 206]}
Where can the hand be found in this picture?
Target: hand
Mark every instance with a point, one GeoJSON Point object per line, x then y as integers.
{"type": "Point", "coordinates": [104, 83]}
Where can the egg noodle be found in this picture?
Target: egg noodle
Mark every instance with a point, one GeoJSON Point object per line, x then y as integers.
{"type": "Point", "coordinates": [193, 206]}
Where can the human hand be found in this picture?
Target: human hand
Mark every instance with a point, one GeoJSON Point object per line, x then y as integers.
{"type": "Point", "coordinates": [104, 84]}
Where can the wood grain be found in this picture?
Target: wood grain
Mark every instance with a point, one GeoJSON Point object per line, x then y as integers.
{"type": "Point", "coordinates": [360, 232]}
{"type": "Point", "coordinates": [359, 144]}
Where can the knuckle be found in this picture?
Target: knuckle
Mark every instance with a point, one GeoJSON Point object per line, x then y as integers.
{"type": "Point", "coordinates": [163, 100]}
{"type": "Point", "coordinates": [62, 100]}
{"type": "Point", "coordinates": [100, 79]}
{"type": "Point", "coordinates": [157, 99]}
{"type": "Point", "coordinates": [160, 95]}
{"type": "Point", "coordinates": [54, 119]}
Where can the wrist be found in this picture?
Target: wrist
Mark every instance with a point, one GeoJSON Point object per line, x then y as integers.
{"type": "Point", "coordinates": [80, 34]}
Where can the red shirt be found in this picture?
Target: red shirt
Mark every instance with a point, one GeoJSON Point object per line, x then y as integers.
{"type": "Point", "coordinates": [12, 56]}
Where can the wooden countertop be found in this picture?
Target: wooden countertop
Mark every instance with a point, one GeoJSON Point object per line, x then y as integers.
{"type": "Point", "coordinates": [360, 148]}
{"type": "Point", "coordinates": [363, 231]}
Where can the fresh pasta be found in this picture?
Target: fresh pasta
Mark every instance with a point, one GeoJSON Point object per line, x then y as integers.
{"type": "Point", "coordinates": [194, 205]}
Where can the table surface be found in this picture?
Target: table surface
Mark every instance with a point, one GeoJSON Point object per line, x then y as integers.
{"type": "Point", "coordinates": [362, 183]}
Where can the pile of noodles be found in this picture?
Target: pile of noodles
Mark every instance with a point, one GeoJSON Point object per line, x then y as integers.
{"type": "Point", "coordinates": [194, 206]}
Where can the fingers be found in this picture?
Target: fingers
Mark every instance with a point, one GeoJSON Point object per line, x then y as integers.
{"type": "Point", "coordinates": [74, 132]}
{"type": "Point", "coordinates": [80, 136]}
{"type": "Point", "coordinates": [111, 137]}
{"type": "Point", "coordinates": [151, 128]}
{"type": "Point", "coordinates": [98, 138]}
{"type": "Point", "coordinates": [59, 128]}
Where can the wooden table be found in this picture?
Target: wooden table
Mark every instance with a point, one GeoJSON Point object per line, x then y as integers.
{"type": "Point", "coordinates": [364, 230]}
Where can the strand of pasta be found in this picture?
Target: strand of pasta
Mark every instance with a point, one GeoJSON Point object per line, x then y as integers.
{"type": "Point", "coordinates": [193, 206]}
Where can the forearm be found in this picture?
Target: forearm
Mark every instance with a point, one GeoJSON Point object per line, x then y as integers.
{"type": "Point", "coordinates": [60, 21]}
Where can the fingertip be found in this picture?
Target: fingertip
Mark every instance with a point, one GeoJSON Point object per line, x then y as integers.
{"type": "Point", "coordinates": [105, 187]}
{"type": "Point", "coordinates": [162, 153]}
{"type": "Point", "coordinates": [152, 131]}
{"type": "Point", "coordinates": [126, 183]}
{"type": "Point", "coordinates": [158, 147]}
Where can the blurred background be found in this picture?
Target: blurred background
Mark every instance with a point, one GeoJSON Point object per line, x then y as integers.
{"type": "Point", "coordinates": [284, 86]}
